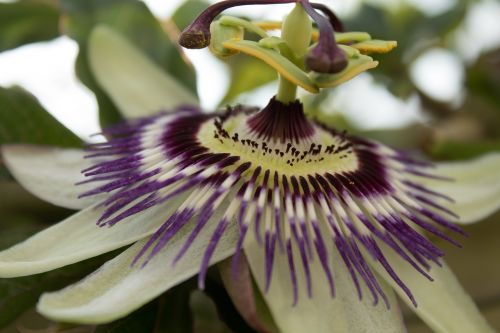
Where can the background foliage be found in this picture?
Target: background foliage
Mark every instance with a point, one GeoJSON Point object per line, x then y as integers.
{"type": "Point", "coordinates": [453, 132]}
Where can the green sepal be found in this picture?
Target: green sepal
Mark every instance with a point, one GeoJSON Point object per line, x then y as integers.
{"type": "Point", "coordinates": [222, 33]}
{"type": "Point", "coordinates": [358, 63]}
{"type": "Point", "coordinates": [238, 22]}
{"type": "Point", "coordinates": [282, 65]}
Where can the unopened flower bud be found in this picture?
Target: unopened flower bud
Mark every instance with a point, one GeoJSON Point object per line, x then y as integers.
{"type": "Point", "coordinates": [326, 61]}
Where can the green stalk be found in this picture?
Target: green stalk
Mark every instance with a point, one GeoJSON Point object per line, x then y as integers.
{"type": "Point", "coordinates": [296, 32]}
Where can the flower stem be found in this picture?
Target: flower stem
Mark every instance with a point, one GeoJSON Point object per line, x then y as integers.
{"type": "Point", "coordinates": [296, 32]}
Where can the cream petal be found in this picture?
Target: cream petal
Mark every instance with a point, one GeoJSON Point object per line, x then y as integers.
{"type": "Point", "coordinates": [49, 173]}
{"type": "Point", "coordinates": [322, 313]}
{"type": "Point", "coordinates": [117, 65]}
{"type": "Point", "coordinates": [116, 289]}
{"type": "Point", "coordinates": [475, 189]}
{"type": "Point", "coordinates": [443, 304]}
{"type": "Point", "coordinates": [78, 238]}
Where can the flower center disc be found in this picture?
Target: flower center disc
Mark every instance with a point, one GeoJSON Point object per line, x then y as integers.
{"type": "Point", "coordinates": [279, 138]}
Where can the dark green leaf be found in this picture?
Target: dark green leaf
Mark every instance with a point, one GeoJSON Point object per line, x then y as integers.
{"type": "Point", "coordinates": [24, 120]}
{"type": "Point", "coordinates": [206, 319]}
{"type": "Point", "coordinates": [483, 77]}
{"type": "Point", "coordinates": [24, 22]}
{"type": "Point", "coordinates": [142, 320]}
{"type": "Point", "coordinates": [132, 19]}
{"type": "Point", "coordinates": [174, 315]}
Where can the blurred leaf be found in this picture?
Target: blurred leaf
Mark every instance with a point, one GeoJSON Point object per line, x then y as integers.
{"type": "Point", "coordinates": [24, 120]}
{"type": "Point", "coordinates": [449, 150]}
{"type": "Point", "coordinates": [132, 19]}
{"type": "Point", "coordinates": [142, 320]}
{"type": "Point", "coordinates": [408, 137]}
{"type": "Point", "coordinates": [414, 31]}
{"type": "Point", "coordinates": [247, 73]}
{"type": "Point", "coordinates": [206, 319]}
{"type": "Point", "coordinates": [483, 77]}
{"type": "Point", "coordinates": [174, 315]}
{"type": "Point", "coordinates": [187, 12]}
{"type": "Point", "coordinates": [4, 173]}
{"type": "Point", "coordinates": [24, 22]}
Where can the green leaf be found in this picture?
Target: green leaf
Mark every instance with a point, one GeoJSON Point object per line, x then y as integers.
{"type": "Point", "coordinates": [24, 120]}
{"type": "Point", "coordinates": [247, 73]}
{"type": "Point", "coordinates": [483, 78]}
{"type": "Point", "coordinates": [187, 12]}
{"type": "Point", "coordinates": [205, 315]}
{"type": "Point", "coordinates": [24, 22]}
{"type": "Point", "coordinates": [133, 20]}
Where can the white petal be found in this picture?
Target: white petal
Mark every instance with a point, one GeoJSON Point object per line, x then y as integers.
{"type": "Point", "coordinates": [476, 188]}
{"type": "Point", "coordinates": [117, 289]}
{"type": "Point", "coordinates": [135, 84]}
{"type": "Point", "coordinates": [49, 173]}
{"type": "Point", "coordinates": [442, 304]}
{"type": "Point", "coordinates": [322, 313]}
{"type": "Point", "coordinates": [78, 238]}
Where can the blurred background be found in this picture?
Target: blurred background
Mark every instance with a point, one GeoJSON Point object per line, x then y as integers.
{"type": "Point", "coordinates": [437, 94]}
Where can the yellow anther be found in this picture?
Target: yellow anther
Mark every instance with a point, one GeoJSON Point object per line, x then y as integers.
{"type": "Point", "coordinates": [375, 46]}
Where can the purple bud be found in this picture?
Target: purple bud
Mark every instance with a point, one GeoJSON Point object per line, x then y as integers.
{"type": "Point", "coordinates": [326, 57]}
{"type": "Point", "coordinates": [326, 60]}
